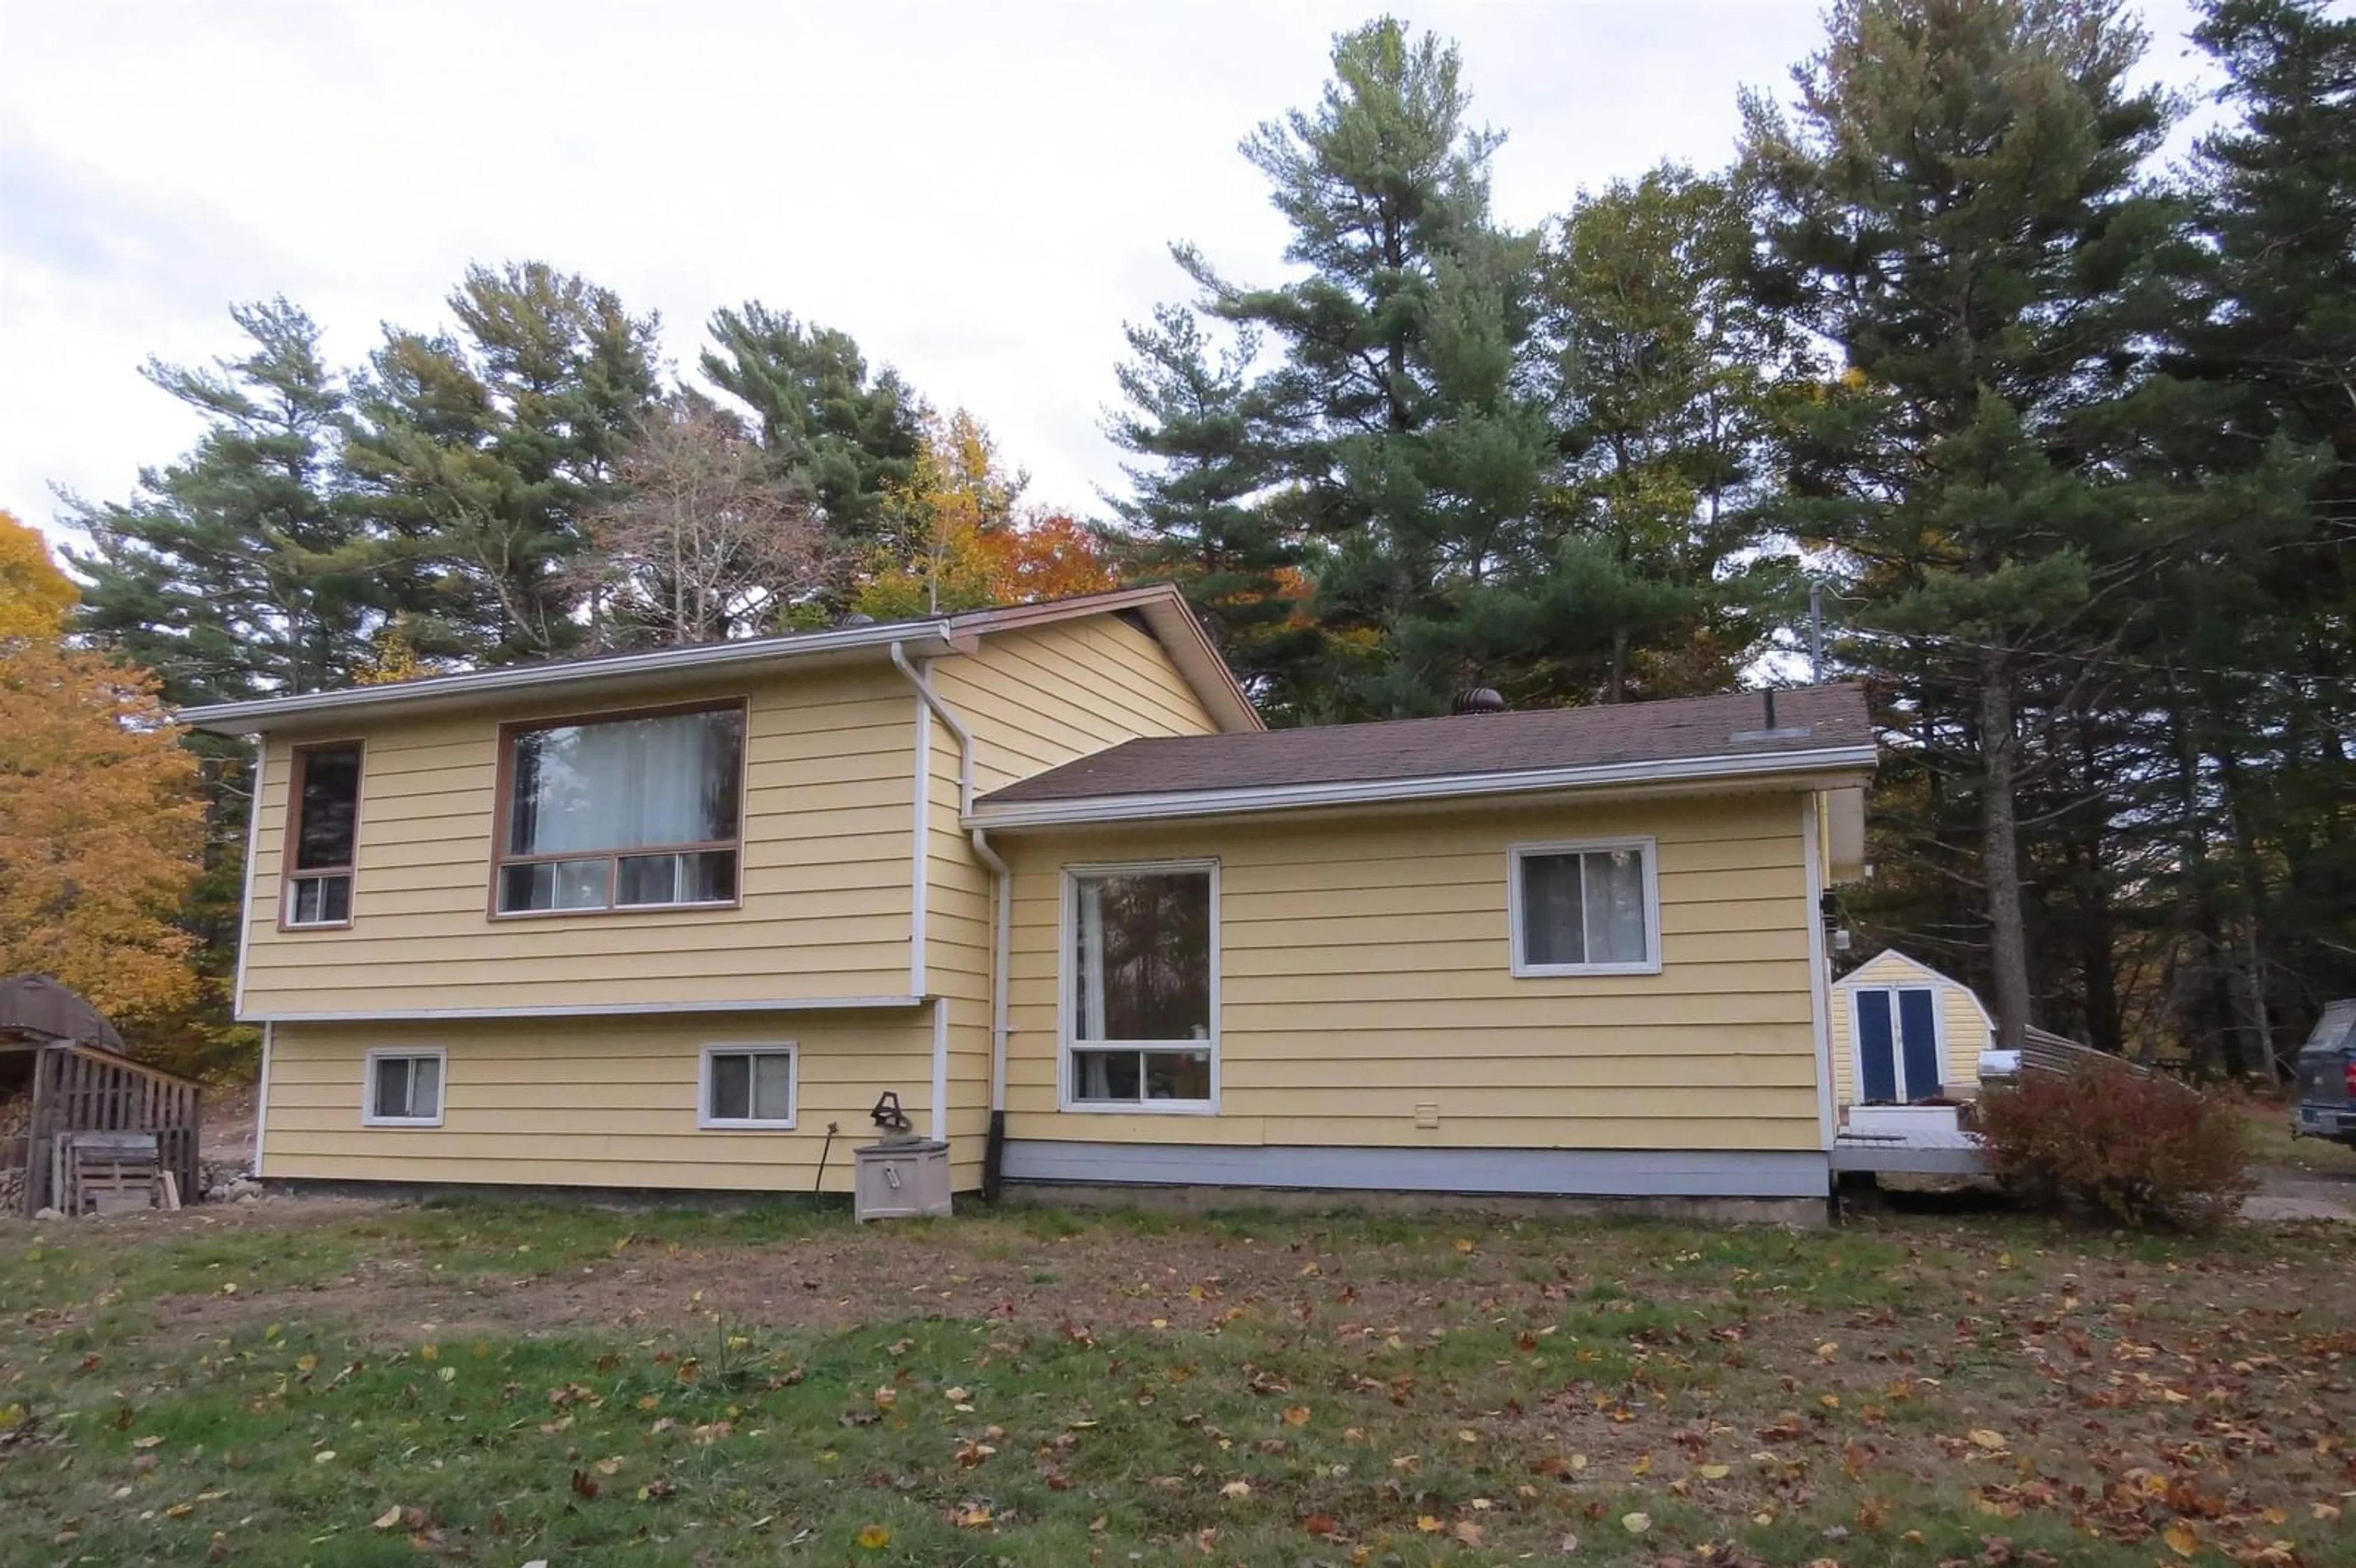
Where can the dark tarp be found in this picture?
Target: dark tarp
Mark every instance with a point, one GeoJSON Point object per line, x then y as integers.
{"type": "Point", "coordinates": [36, 1005]}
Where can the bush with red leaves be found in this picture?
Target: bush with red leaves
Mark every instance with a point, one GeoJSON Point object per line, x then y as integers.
{"type": "Point", "coordinates": [2143, 1151]}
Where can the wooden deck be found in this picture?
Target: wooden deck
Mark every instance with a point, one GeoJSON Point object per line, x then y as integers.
{"type": "Point", "coordinates": [1921, 1152]}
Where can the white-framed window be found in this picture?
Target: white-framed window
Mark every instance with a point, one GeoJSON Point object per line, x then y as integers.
{"type": "Point", "coordinates": [755, 1086]}
{"type": "Point", "coordinates": [1592, 907]}
{"type": "Point", "coordinates": [1140, 980]}
{"type": "Point", "coordinates": [404, 1088]}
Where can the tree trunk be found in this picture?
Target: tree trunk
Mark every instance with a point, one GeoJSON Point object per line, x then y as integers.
{"type": "Point", "coordinates": [2008, 949]}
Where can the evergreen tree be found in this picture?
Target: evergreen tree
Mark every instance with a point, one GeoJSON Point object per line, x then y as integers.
{"type": "Point", "coordinates": [1195, 514]}
{"type": "Point", "coordinates": [230, 573]}
{"type": "Point", "coordinates": [1662, 376]}
{"type": "Point", "coordinates": [1959, 206]}
{"type": "Point", "coordinates": [1403, 441]}
{"type": "Point", "coordinates": [845, 436]}
{"type": "Point", "coordinates": [2262, 623]}
{"type": "Point", "coordinates": [479, 453]}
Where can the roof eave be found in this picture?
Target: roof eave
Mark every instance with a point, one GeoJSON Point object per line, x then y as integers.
{"type": "Point", "coordinates": [920, 639]}
{"type": "Point", "coordinates": [1086, 810]}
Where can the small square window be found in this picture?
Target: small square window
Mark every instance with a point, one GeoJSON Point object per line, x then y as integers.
{"type": "Point", "coordinates": [404, 1089]}
{"type": "Point", "coordinates": [747, 1086]}
{"type": "Point", "coordinates": [1585, 909]}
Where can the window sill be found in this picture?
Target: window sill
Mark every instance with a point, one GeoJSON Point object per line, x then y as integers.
{"type": "Point", "coordinates": [1142, 1107]}
{"type": "Point", "coordinates": [1579, 971]}
{"type": "Point", "coordinates": [400, 1121]}
{"type": "Point", "coordinates": [710, 1125]}
{"type": "Point", "coordinates": [612, 909]}
{"type": "Point", "coordinates": [315, 925]}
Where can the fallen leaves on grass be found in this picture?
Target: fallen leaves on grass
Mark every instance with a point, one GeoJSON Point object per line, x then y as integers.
{"type": "Point", "coordinates": [874, 1538]}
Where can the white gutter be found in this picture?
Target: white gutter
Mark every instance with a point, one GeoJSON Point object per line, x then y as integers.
{"type": "Point", "coordinates": [1001, 876]}
{"type": "Point", "coordinates": [1085, 809]}
{"type": "Point", "coordinates": [930, 635]}
{"type": "Point", "coordinates": [920, 876]}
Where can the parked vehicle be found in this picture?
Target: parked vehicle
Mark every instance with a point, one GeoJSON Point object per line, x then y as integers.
{"type": "Point", "coordinates": [2325, 1103]}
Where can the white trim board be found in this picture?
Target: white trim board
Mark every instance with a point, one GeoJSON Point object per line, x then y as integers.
{"type": "Point", "coordinates": [1820, 1009]}
{"type": "Point", "coordinates": [1519, 1172]}
{"type": "Point", "coordinates": [228, 718]}
{"type": "Point", "coordinates": [245, 893]}
{"type": "Point", "coordinates": [1020, 813]}
{"type": "Point", "coordinates": [590, 1010]}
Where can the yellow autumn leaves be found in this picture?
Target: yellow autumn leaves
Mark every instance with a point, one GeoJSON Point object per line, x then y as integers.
{"type": "Point", "coordinates": [100, 825]}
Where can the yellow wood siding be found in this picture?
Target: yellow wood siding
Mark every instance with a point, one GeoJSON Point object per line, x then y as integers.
{"type": "Point", "coordinates": [1365, 971]}
{"type": "Point", "coordinates": [1963, 1027]}
{"type": "Point", "coordinates": [590, 1102]}
{"type": "Point", "coordinates": [1031, 699]}
{"type": "Point", "coordinates": [830, 772]}
{"type": "Point", "coordinates": [1040, 698]}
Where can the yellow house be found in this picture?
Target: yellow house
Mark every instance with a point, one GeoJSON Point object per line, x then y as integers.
{"type": "Point", "coordinates": [672, 920]}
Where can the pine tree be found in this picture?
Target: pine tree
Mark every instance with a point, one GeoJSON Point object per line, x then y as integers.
{"type": "Point", "coordinates": [1403, 442]}
{"type": "Point", "coordinates": [1662, 377]}
{"type": "Point", "coordinates": [845, 435]}
{"type": "Point", "coordinates": [2262, 621]}
{"type": "Point", "coordinates": [230, 573]}
{"type": "Point", "coordinates": [479, 453]}
{"type": "Point", "coordinates": [1194, 514]}
{"type": "Point", "coordinates": [1959, 206]}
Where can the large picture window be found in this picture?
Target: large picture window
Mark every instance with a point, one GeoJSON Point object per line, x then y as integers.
{"type": "Point", "coordinates": [1141, 987]}
{"type": "Point", "coordinates": [636, 812]}
{"type": "Point", "coordinates": [1586, 909]}
{"type": "Point", "coordinates": [323, 817]}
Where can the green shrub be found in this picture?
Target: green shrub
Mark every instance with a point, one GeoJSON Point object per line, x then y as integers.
{"type": "Point", "coordinates": [2143, 1151]}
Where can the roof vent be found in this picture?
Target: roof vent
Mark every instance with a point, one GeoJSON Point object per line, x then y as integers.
{"type": "Point", "coordinates": [1771, 730]}
{"type": "Point", "coordinates": [1479, 699]}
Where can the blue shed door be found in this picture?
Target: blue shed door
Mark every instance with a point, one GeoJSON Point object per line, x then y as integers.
{"type": "Point", "coordinates": [1919, 1026]}
{"type": "Point", "coordinates": [1897, 1044]}
{"type": "Point", "coordinates": [1877, 1061]}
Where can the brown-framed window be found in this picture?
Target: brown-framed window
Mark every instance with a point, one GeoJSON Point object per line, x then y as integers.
{"type": "Point", "coordinates": [641, 810]}
{"type": "Point", "coordinates": [323, 819]}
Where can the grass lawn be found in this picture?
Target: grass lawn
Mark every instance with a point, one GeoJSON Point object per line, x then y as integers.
{"type": "Point", "coordinates": [2272, 1144]}
{"type": "Point", "coordinates": [503, 1383]}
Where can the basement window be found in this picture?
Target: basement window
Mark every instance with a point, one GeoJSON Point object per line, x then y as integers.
{"type": "Point", "coordinates": [1141, 967]}
{"type": "Point", "coordinates": [404, 1089]}
{"type": "Point", "coordinates": [747, 1086]}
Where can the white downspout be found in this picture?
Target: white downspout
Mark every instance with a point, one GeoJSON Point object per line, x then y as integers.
{"type": "Point", "coordinates": [1001, 875]}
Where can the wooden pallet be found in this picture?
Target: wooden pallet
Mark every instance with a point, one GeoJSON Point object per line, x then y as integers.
{"type": "Point", "coordinates": [106, 1173]}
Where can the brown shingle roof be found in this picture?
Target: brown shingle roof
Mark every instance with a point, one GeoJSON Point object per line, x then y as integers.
{"type": "Point", "coordinates": [1808, 718]}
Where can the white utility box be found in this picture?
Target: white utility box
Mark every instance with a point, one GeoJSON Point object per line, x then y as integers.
{"type": "Point", "coordinates": [894, 1180]}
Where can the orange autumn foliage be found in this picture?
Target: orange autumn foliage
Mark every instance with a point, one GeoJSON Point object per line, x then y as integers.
{"type": "Point", "coordinates": [100, 827]}
{"type": "Point", "coordinates": [960, 539]}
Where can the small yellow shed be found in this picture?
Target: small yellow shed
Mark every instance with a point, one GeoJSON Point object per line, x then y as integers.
{"type": "Point", "coordinates": [1901, 1032]}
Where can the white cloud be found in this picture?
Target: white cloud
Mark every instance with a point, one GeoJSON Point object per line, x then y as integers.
{"type": "Point", "coordinates": [981, 193]}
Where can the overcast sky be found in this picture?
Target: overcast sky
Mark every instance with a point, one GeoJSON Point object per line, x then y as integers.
{"type": "Point", "coordinates": [980, 192]}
